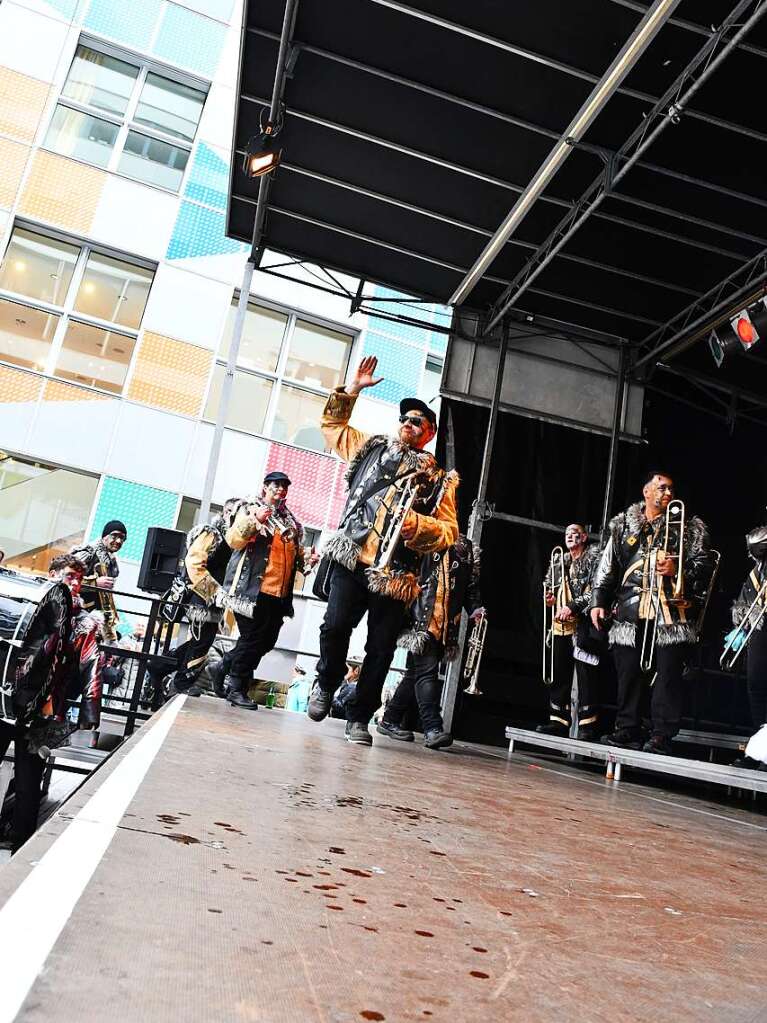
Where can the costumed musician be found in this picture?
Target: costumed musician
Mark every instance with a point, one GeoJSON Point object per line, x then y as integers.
{"type": "Point", "coordinates": [449, 584]}
{"type": "Point", "coordinates": [267, 550]}
{"type": "Point", "coordinates": [101, 571]}
{"type": "Point", "coordinates": [567, 640]}
{"type": "Point", "coordinates": [748, 617]}
{"type": "Point", "coordinates": [401, 506]}
{"type": "Point", "coordinates": [197, 593]}
{"type": "Point", "coordinates": [655, 596]}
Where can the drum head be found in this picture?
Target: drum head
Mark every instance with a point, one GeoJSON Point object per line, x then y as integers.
{"type": "Point", "coordinates": [37, 657]}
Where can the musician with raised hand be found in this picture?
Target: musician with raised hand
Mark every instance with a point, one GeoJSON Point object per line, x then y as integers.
{"type": "Point", "coordinates": [449, 584]}
{"type": "Point", "coordinates": [654, 619]}
{"type": "Point", "coordinates": [748, 619]}
{"type": "Point", "coordinates": [401, 506]}
{"type": "Point", "coordinates": [266, 541]}
{"type": "Point", "coordinates": [567, 643]}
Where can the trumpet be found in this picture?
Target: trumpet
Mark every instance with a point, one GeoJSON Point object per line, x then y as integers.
{"type": "Point", "coordinates": [406, 496]}
{"type": "Point", "coordinates": [556, 583]}
{"type": "Point", "coordinates": [273, 523]}
{"type": "Point", "coordinates": [475, 644]}
{"type": "Point", "coordinates": [745, 630]}
{"type": "Point", "coordinates": [653, 596]}
{"type": "Point", "coordinates": [709, 590]}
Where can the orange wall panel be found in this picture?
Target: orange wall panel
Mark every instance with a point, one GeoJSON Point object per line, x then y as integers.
{"type": "Point", "coordinates": [170, 374]}
{"type": "Point", "coordinates": [62, 192]}
{"type": "Point", "coordinates": [22, 101]}
{"type": "Point", "coordinates": [18, 386]}
{"type": "Point", "coordinates": [13, 158]}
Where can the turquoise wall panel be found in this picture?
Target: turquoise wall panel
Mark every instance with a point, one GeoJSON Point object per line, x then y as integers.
{"type": "Point", "coordinates": [139, 507]}
{"type": "Point", "coordinates": [190, 40]}
{"type": "Point", "coordinates": [221, 9]}
{"type": "Point", "coordinates": [401, 366]}
{"type": "Point", "coordinates": [208, 179]}
{"type": "Point", "coordinates": [130, 23]}
{"type": "Point", "coordinates": [199, 231]}
{"type": "Point", "coordinates": [66, 8]}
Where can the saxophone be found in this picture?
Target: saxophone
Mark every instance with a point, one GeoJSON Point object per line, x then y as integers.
{"type": "Point", "coordinates": [107, 606]}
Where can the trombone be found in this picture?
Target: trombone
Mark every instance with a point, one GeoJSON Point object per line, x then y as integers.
{"type": "Point", "coordinates": [745, 630]}
{"type": "Point", "coordinates": [556, 583]}
{"type": "Point", "coordinates": [653, 596]}
{"type": "Point", "coordinates": [476, 644]}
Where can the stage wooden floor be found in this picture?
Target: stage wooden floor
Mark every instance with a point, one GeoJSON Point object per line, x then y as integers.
{"type": "Point", "coordinates": [232, 866]}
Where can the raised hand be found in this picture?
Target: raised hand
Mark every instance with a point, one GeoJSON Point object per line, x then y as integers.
{"type": "Point", "coordinates": [365, 375]}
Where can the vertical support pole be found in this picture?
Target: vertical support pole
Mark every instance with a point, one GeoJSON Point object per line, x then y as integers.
{"type": "Point", "coordinates": [479, 515]}
{"type": "Point", "coordinates": [620, 400]}
{"type": "Point", "coordinates": [226, 392]}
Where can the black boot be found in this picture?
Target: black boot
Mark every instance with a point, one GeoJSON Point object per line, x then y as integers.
{"type": "Point", "coordinates": [236, 693]}
{"type": "Point", "coordinates": [554, 728]}
{"type": "Point", "coordinates": [217, 679]}
{"type": "Point", "coordinates": [184, 682]}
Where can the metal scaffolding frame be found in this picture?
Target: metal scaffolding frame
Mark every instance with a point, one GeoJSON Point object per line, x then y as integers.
{"type": "Point", "coordinates": [669, 108]}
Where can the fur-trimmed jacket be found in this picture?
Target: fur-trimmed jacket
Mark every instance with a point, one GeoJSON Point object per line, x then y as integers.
{"type": "Point", "coordinates": [756, 545]}
{"type": "Point", "coordinates": [376, 463]}
{"type": "Point", "coordinates": [98, 561]}
{"type": "Point", "coordinates": [579, 574]}
{"type": "Point", "coordinates": [262, 562]}
{"type": "Point", "coordinates": [449, 584]}
{"type": "Point", "coordinates": [202, 569]}
{"type": "Point", "coordinates": [621, 578]}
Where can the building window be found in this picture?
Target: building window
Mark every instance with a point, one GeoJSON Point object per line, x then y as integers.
{"type": "Point", "coordinates": [122, 115]}
{"type": "Point", "coordinates": [44, 511]}
{"type": "Point", "coordinates": [286, 367]}
{"type": "Point", "coordinates": [69, 310]}
{"type": "Point", "coordinates": [188, 512]}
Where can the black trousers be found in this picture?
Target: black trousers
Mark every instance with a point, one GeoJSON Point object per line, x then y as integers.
{"type": "Point", "coordinates": [27, 782]}
{"type": "Point", "coordinates": [258, 636]}
{"type": "Point", "coordinates": [191, 654]}
{"type": "Point", "coordinates": [348, 601]}
{"type": "Point", "coordinates": [587, 676]}
{"type": "Point", "coordinates": [756, 676]}
{"type": "Point", "coordinates": [421, 679]}
{"type": "Point", "coordinates": [666, 695]}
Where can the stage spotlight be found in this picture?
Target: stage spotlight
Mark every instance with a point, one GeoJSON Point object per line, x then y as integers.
{"type": "Point", "coordinates": [740, 334]}
{"type": "Point", "coordinates": [262, 154]}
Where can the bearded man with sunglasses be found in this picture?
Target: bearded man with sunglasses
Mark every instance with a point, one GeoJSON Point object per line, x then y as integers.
{"type": "Point", "coordinates": [357, 581]}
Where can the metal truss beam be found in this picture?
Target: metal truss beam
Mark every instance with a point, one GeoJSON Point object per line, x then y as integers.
{"type": "Point", "coordinates": [507, 185]}
{"type": "Point", "coordinates": [668, 108]}
{"type": "Point", "coordinates": [516, 122]}
{"type": "Point", "coordinates": [358, 236]}
{"type": "Point", "coordinates": [731, 294]}
{"type": "Point", "coordinates": [485, 233]}
{"type": "Point", "coordinates": [690, 26]}
{"type": "Point", "coordinates": [561, 66]}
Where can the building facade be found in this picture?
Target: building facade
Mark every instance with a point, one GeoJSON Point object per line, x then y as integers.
{"type": "Point", "coordinates": [117, 292]}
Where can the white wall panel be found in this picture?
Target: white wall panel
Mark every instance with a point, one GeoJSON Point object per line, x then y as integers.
{"type": "Point", "coordinates": [188, 307]}
{"type": "Point", "coordinates": [150, 447]}
{"type": "Point", "coordinates": [74, 433]}
{"type": "Point", "coordinates": [30, 43]}
{"type": "Point", "coordinates": [134, 218]}
{"type": "Point", "coordinates": [240, 466]}
{"type": "Point", "coordinates": [16, 418]}
{"type": "Point", "coordinates": [227, 268]}
{"type": "Point", "coordinates": [217, 121]}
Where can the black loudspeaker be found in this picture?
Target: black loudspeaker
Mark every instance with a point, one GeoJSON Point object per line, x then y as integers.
{"type": "Point", "coordinates": [162, 552]}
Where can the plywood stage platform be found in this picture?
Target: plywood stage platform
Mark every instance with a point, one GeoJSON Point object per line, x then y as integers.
{"type": "Point", "coordinates": [235, 866]}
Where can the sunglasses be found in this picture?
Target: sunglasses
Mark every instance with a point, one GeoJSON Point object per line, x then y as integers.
{"type": "Point", "coordinates": [414, 420]}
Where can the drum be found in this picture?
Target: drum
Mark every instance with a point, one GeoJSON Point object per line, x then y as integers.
{"type": "Point", "coordinates": [35, 637]}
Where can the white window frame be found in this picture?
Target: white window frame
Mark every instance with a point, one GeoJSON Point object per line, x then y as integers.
{"type": "Point", "coordinates": [66, 312]}
{"type": "Point", "coordinates": [278, 378]}
{"type": "Point", "coordinates": [125, 122]}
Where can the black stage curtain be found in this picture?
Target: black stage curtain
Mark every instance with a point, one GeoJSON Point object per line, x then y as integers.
{"type": "Point", "coordinates": [555, 474]}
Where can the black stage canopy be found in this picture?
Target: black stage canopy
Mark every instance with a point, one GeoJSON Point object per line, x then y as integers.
{"type": "Point", "coordinates": [410, 131]}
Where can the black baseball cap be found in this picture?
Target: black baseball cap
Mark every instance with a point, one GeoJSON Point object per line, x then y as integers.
{"type": "Point", "coordinates": [276, 477]}
{"type": "Point", "coordinates": [415, 404]}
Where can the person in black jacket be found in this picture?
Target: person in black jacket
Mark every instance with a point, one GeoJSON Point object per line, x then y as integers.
{"type": "Point", "coordinates": [570, 618]}
{"type": "Point", "coordinates": [756, 651]}
{"type": "Point", "coordinates": [621, 584]}
{"type": "Point", "coordinates": [449, 584]}
{"type": "Point", "coordinates": [266, 541]}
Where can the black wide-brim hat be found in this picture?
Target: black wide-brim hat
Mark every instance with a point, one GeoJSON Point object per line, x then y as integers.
{"type": "Point", "coordinates": [415, 404]}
